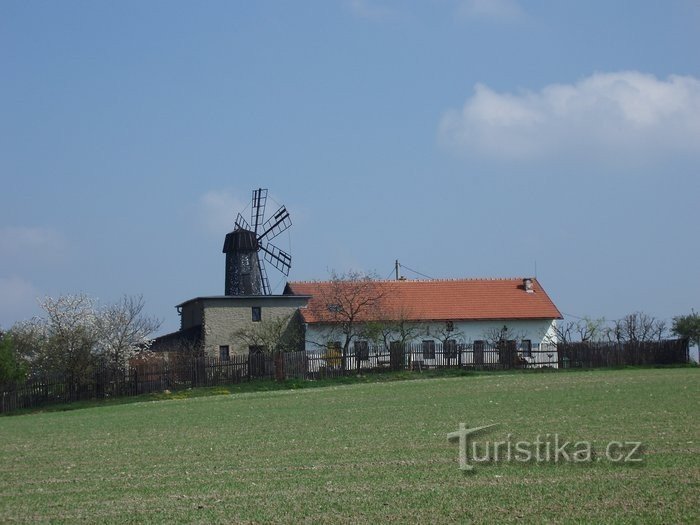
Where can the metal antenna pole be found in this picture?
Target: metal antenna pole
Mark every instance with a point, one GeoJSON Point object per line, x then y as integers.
{"type": "Point", "coordinates": [397, 269]}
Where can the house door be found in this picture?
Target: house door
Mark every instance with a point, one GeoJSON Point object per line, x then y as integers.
{"type": "Point", "coordinates": [396, 355]}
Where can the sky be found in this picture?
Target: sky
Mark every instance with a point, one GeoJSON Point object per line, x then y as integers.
{"type": "Point", "coordinates": [465, 138]}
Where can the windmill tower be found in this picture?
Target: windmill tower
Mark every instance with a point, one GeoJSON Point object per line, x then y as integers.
{"type": "Point", "coordinates": [245, 270]}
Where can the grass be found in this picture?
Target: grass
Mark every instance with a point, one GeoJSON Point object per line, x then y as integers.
{"type": "Point", "coordinates": [364, 452]}
{"type": "Point", "coordinates": [266, 385]}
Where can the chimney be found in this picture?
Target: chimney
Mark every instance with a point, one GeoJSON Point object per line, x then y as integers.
{"type": "Point", "coordinates": [527, 285]}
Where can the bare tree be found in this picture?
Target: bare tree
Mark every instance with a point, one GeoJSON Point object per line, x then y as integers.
{"type": "Point", "coordinates": [637, 327]}
{"type": "Point", "coordinates": [396, 326]}
{"type": "Point", "coordinates": [350, 301]}
{"type": "Point", "coordinates": [563, 333]}
{"type": "Point", "coordinates": [279, 333]}
{"type": "Point", "coordinates": [495, 336]}
{"type": "Point", "coordinates": [589, 330]}
{"type": "Point", "coordinates": [447, 332]}
{"type": "Point", "coordinates": [584, 330]}
{"type": "Point", "coordinates": [505, 341]}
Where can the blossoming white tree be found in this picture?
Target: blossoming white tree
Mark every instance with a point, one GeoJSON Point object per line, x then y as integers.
{"type": "Point", "coordinates": [123, 331]}
{"type": "Point", "coordinates": [77, 334]}
{"type": "Point", "coordinates": [68, 335]}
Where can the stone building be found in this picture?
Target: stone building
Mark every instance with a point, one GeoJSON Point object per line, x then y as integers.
{"type": "Point", "coordinates": [210, 324]}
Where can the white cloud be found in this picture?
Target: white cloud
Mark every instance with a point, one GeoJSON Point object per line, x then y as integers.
{"type": "Point", "coordinates": [25, 250]}
{"type": "Point", "coordinates": [218, 210]}
{"type": "Point", "coordinates": [625, 116]}
{"type": "Point", "coordinates": [31, 243]}
{"type": "Point", "coordinates": [17, 300]}
{"type": "Point", "coordinates": [507, 10]}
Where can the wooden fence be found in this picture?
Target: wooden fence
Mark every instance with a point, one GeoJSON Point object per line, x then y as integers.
{"type": "Point", "coordinates": [176, 374]}
{"type": "Point", "coordinates": [601, 355]}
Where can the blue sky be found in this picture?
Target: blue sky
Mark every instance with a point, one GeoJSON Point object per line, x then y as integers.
{"type": "Point", "coordinates": [464, 138]}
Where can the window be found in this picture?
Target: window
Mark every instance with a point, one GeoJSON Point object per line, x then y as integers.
{"type": "Point", "coordinates": [362, 350]}
{"type": "Point", "coordinates": [450, 349]}
{"type": "Point", "coordinates": [256, 313]}
{"type": "Point", "coordinates": [526, 347]}
{"type": "Point", "coordinates": [223, 352]}
{"type": "Point", "coordinates": [428, 349]}
{"type": "Point", "coordinates": [449, 326]}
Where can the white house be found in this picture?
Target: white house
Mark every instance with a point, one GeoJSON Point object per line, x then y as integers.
{"type": "Point", "coordinates": [466, 315]}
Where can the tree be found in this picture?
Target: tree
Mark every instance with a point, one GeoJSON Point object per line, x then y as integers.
{"type": "Point", "coordinates": [76, 335]}
{"type": "Point", "coordinates": [396, 326]}
{"type": "Point", "coordinates": [688, 326]}
{"type": "Point", "coordinates": [27, 338]}
{"type": "Point", "coordinates": [495, 336]}
{"type": "Point", "coordinates": [68, 336]}
{"type": "Point", "coordinates": [279, 333]}
{"type": "Point", "coordinates": [637, 327]}
{"type": "Point", "coordinates": [349, 302]}
{"type": "Point", "coordinates": [505, 341]}
{"type": "Point", "coordinates": [123, 331]}
{"type": "Point", "coordinates": [447, 332]}
{"type": "Point", "coordinates": [11, 366]}
{"type": "Point", "coordinates": [584, 330]}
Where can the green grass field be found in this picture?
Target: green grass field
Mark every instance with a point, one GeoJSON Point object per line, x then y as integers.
{"type": "Point", "coordinates": [372, 452]}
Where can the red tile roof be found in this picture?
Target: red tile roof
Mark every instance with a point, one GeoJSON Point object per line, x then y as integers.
{"type": "Point", "coordinates": [459, 299]}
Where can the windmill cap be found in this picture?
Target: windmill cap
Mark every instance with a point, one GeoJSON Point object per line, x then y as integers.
{"type": "Point", "coordinates": [240, 240]}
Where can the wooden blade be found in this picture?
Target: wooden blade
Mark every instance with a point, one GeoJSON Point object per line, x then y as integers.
{"type": "Point", "coordinates": [275, 225]}
{"type": "Point", "coordinates": [277, 258]}
{"type": "Point", "coordinates": [258, 210]}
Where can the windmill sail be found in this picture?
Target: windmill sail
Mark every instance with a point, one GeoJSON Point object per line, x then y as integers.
{"type": "Point", "coordinates": [258, 211]}
{"type": "Point", "coordinates": [263, 277]}
{"type": "Point", "coordinates": [275, 225]}
{"type": "Point", "coordinates": [241, 223]}
{"type": "Point", "coordinates": [278, 258]}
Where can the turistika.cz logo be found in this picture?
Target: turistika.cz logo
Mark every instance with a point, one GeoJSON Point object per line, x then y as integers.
{"type": "Point", "coordinates": [545, 448]}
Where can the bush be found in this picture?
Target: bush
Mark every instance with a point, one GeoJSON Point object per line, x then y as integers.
{"type": "Point", "coordinates": [11, 368]}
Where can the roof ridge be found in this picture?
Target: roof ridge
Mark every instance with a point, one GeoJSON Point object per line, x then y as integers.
{"type": "Point", "coordinates": [439, 280]}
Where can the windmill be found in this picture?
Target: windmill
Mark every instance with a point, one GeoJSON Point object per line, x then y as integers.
{"type": "Point", "coordinates": [245, 270]}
